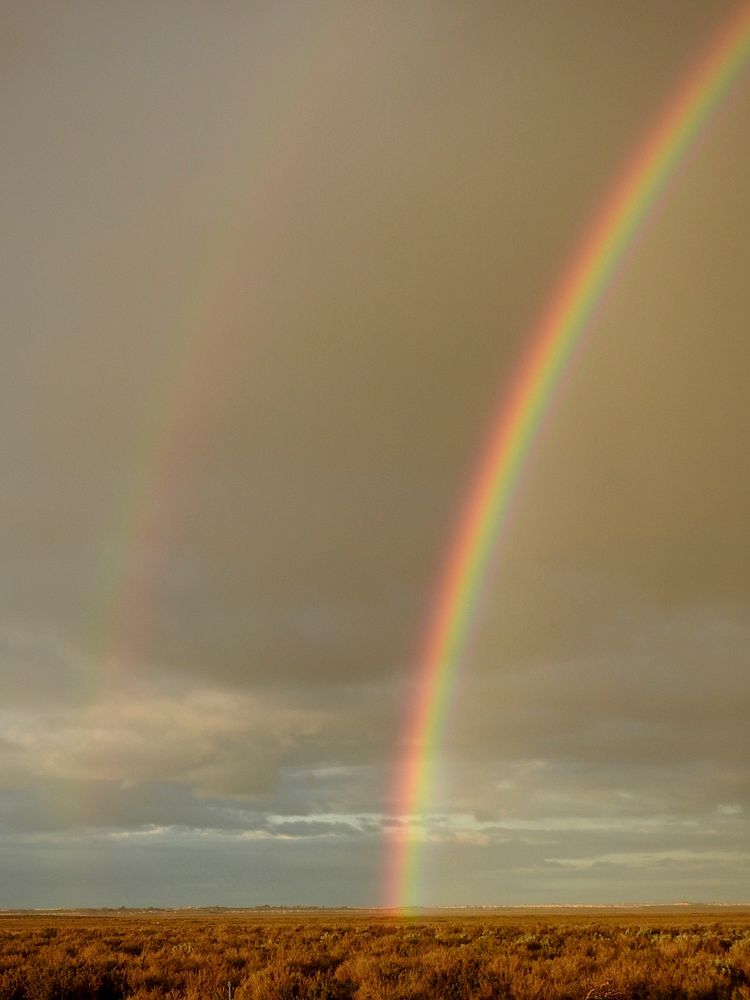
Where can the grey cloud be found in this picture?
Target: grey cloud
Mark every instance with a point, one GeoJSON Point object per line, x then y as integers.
{"type": "Point", "coordinates": [311, 828]}
{"type": "Point", "coordinates": [643, 685]}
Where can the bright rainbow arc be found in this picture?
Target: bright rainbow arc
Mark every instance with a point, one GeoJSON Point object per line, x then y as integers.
{"type": "Point", "coordinates": [553, 341]}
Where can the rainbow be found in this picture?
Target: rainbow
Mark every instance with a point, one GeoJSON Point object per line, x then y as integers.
{"type": "Point", "coordinates": [553, 341]}
{"type": "Point", "coordinates": [142, 519]}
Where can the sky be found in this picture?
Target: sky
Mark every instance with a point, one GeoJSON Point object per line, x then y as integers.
{"type": "Point", "coordinates": [267, 268]}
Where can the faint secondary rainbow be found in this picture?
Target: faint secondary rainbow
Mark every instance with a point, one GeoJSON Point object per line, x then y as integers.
{"type": "Point", "coordinates": [141, 521]}
{"type": "Point", "coordinates": [554, 339]}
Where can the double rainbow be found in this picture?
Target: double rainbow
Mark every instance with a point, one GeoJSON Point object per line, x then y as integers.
{"type": "Point", "coordinates": [552, 342]}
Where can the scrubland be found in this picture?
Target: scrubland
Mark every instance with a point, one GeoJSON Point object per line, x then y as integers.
{"type": "Point", "coordinates": [325, 955]}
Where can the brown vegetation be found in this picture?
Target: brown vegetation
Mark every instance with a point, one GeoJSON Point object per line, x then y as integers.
{"type": "Point", "coordinates": [324, 956]}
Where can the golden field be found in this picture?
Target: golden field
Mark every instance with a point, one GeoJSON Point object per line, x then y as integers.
{"type": "Point", "coordinates": [365, 955]}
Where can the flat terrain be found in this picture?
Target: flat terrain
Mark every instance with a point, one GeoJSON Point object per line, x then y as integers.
{"type": "Point", "coordinates": [370, 955]}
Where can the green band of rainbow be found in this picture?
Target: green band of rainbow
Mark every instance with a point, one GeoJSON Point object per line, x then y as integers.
{"type": "Point", "coordinates": [587, 276]}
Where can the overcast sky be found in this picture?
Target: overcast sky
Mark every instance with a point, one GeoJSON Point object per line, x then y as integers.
{"type": "Point", "coordinates": [266, 267]}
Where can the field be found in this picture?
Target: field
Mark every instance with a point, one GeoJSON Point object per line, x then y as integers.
{"type": "Point", "coordinates": [343, 955]}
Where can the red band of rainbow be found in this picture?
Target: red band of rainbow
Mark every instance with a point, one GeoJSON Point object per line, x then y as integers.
{"type": "Point", "coordinates": [552, 342]}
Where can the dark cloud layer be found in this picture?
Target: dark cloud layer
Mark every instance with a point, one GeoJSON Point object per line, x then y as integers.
{"type": "Point", "coordinates": [211, 599]}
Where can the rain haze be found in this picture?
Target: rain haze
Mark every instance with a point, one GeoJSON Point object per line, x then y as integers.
{"type": "Point", "coordinates": [267, 268]}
